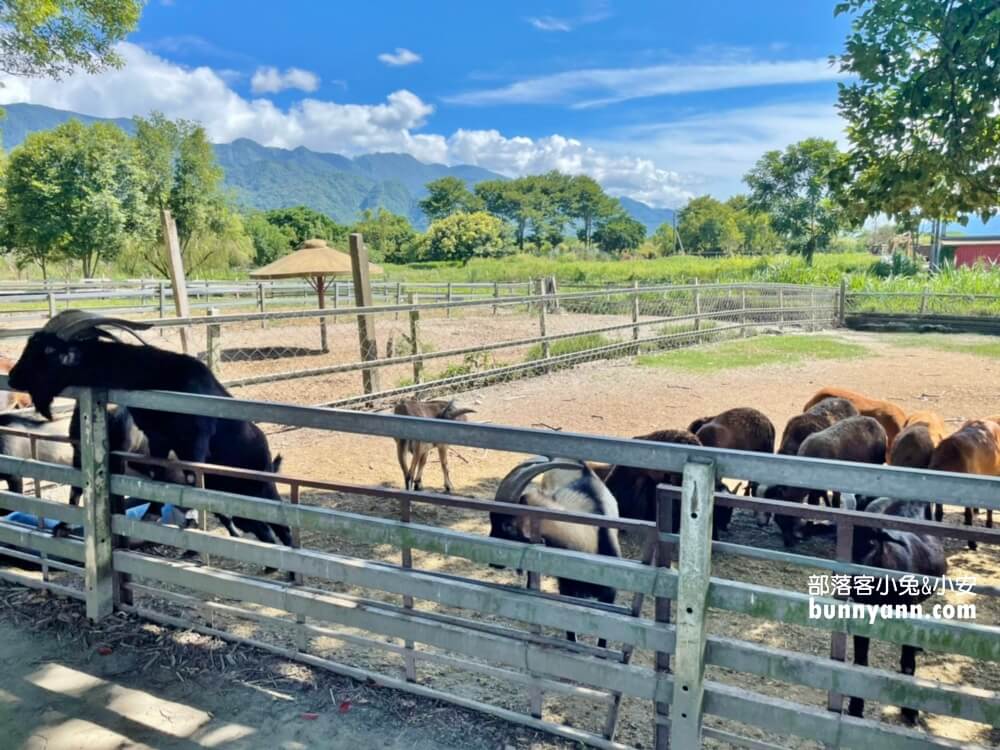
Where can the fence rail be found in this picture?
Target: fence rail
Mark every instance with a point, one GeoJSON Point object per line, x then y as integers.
{"type": "Point", "coordinates": [509, 635]}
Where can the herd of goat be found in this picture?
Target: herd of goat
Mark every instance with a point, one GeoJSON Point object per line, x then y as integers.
{"type": "Point", "coordinates": [76, 348]}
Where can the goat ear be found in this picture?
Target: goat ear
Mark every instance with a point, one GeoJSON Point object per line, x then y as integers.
{"type": "Point", "coordinates": [70, 357]}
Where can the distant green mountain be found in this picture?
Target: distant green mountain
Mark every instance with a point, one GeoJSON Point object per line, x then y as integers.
{"type": "Point", "coordinates": [341, 187]}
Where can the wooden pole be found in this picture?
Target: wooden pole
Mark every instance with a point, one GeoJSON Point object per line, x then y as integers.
{"type": "Point", "coordinates": [418, 365]}
{"type": "Point", "coordinates": [213, 349]}
{"type": "Point", "coordinates": [363, 298]}
{"type": "Point", "coordinates": [923, 301]}
{"type": "Point", "coordinates": [697, 308]}
{"type": "Point", "coordinates": [260, 302]}
{"type": "Point", "coordinates": [177, 279]}
{"type": "Point", "coordinates": [321, 297]}
{"type": "Point", "coordinates": [448, 299]}
{"type": "Point", "coordinates": [635, 312]}
{"type": "Point", "coordinates": [543, 323]}
{"type": "Point", "coordinates": [496, 294]}
{"type": "Point", "coordinates": [52, 304]}
{"type": "Point", "coordinates": [842, 303]}
{"type": "Point", "coordinates": [743, 316]}
{"type": "Point", "coordinates": [98, 548]}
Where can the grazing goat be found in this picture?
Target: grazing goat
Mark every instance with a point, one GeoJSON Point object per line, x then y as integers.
{"type": "Point", "coordinates": [972, 449]}
{"type": "Point", "coordinates": [915, 445]}
{"type": "Point", "coordinates": [20, 447]}
{"type": "Point", "coordinates": [412, 454]}
{"type": "Point", "coordinates": [740, 429]}
{"type": "Point", "coordinates": [856, 439]}
{"type": "Point", "coordinates": [11, 399]}
{"type": "Point", "coordinates": [816, 418]}
{"type": "Point", "coordinates": [890, 416]}
{"type": "Point", "coordinates": [570, 486]}
{"type": "Point", "coordinates": [635, 488]}
{"type": "Point", "coordinates": [75, 349]}
{"type": "Point", "coordinates": [903, 551]}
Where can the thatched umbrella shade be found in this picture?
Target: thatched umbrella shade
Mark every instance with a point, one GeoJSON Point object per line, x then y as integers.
{"type": "Point", "coordinates": [319, 264]}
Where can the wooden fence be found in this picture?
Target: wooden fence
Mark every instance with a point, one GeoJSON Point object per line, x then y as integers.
{"type": "Point", "coordinates": [507, 634]}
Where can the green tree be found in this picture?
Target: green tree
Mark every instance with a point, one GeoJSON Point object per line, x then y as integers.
{"type": "Point", "coordinates": [301, 223]}
{"type": "Point", "coordinates": [446, 196]}
{"type": "Point", "coordinates": [389, 235]}
{"type": "Point", "coordinates": [75, 192]}
{"type": "Point", "coordinates": [585, 201]}
{"type": "Point", "coordinates": [508, 200]}
{"type": "Point", "coordinates": [185, 178]}
{"type": "Point", "coordinates": [755, 226]}
{"type": "Point", "coordinates": [620, 233]}
{"type": "Point", "coordinates": [921, 107]}
{"type": "Point", "coordinates": [462, 236]}
{"type": "Point", "coordinates": [51, 38]}
{"type": "Point", "coordinates": [707, 225]}
{"type": "Point", "coordinates": [268, 240]}
{"type": "Point", "coordinates": [794, 187]}
{"type": "Point", "coordinates": [665, 239]}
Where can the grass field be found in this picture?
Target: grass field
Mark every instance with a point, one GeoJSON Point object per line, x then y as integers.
{"type": "Point", "coordinates": [760, 350]}
{"type": "Point", "coordinates": [982, 346]}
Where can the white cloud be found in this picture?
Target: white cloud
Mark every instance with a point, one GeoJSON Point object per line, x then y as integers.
{"type": "Point", "coordinates": [595, 12]}
{"type": "Point", "coordinates": [270, 80]}
{"type": "Point", "coordinates": [548, 23]}
{"type": "Point", "coordinates": [706, 152]}
{"type": "Point", "coordinates": [401, 57]}
{"type": "Point", "coordinates": [593, 87]}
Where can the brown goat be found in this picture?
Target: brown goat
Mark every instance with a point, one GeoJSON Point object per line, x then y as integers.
{"type": "Point", "coordinates": [11, 399]}
{"type": "Point", "coordinates": [972, 449]}
{"type": "Point", "coordinates": [816, 418]}
{"type": "Point", "coordinates": [417, 451]}
{"type": "Point", "coordinates": [890, 416]}
{"type": "Point", "coordinates": [915, 445]}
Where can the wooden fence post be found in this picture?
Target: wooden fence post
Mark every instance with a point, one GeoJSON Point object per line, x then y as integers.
{"type": "Point", "coordinates": [781, 308]}
{"type": "Point", "coordinates": [743, 316]}
{"type": "Point", "coordinates": [448, 299]}
{"type": "Point", "coordinates": [418, 365]}
{"type": "Point", "coordinates": [635, 312]}
{"type": "Point", "coordinates": [693, 572]}
{"type": "Point", "coordinates": [842, 303]}
{"type": "Point", "coordinates": [399, 296]}
{"type": "Point", "coordinates": [213, 348]}
{"type": "Point", "coordinates": [542, 321]}
{"type": "Point", "coordinates": [554, 291]}
{"type": "Point", "coordinates": [697, 309]}
{"type": "Point", "coordinates": [664, 559]}
{"type": "Point", "coordinates": [260, 302]}
{"type": "Point", "coordinates": [52, 304]}
{"type": "Point", "coordinates": [923, 301]}
{"type": "Point", "coordinates": [496, 295]}
{"type": "Point", "coordinates": [366, 323]}
{"type": "Point", "coordinates": [812, 309]}
{"type": "Point", "coordinates": [98, 547]}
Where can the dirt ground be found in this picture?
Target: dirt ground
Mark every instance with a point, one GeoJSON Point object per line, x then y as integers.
{"type": "Point", "coordinates": [612, 398]}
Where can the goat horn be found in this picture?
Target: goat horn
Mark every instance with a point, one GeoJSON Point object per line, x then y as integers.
{"type": "Point", "coordinates": [514, 484]}
{"type": "Point", "coordinates": [74, 324]}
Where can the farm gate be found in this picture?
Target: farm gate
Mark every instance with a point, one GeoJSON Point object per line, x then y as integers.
{"type": "Point", "coordinates": [431, 623]}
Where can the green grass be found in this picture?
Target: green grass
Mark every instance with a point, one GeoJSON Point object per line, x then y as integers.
{"type": "Point", "coordinates": [569, 346]}
{"type": "Point", "coordinates": [753, 352]}
{"type": "Point", "coordinates": [982, 346]}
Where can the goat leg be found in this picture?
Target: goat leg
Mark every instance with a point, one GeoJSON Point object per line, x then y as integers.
{"type": "Point", "coordinates": [968, 522]}
{"type": "Point", "coordinates": [443, 455]}
{"type": "Point", "coordinates": [856, 706]}
{"type": "Point", "coordinates": [908, 666]}
{"type": "Point", "coordinates": [938, 511]}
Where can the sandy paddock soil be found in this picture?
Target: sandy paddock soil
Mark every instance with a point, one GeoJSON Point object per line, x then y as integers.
{"type": "Point", "coordinates": [618, 398]}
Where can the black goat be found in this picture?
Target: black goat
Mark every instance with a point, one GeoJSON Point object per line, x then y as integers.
{"type": "Point", "coordinates": [73, 349]}
{"type": "Point", "coordinates": [570, 486]}
{"type": "Point", "coordinates": [903, 551]}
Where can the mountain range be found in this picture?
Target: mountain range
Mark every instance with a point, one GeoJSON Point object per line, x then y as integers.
{"type": "Point", "coordinates": [342, 187]}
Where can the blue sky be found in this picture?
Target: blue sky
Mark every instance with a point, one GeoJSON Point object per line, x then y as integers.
{"type": "Point", "coordinates": [657, 100]}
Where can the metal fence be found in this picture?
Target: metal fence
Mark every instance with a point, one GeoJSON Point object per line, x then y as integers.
{"type": "Point", "coordinates": [456, 637]}
{"type": "Point", "coordinates": [923, 311]}
{"type": "Point", "coordinates": [423, 346]}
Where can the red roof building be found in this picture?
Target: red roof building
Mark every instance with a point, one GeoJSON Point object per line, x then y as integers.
{"type": "Point", "coordinates": [967, 251]}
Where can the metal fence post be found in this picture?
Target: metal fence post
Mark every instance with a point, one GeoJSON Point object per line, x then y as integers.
{"type": "Point", "coordinates": [842, 303]}
{"type": "Point", "coordinates": [664, 559]}
{"type": "Point", "coordinates": [52, 304]}
{"type": "Point", "coordinates": [838, 641]}
{"type": "Point", "coordinates": [697, 309]}
{"type": "Point", "coordinates": [635, 312]}
{"type": "Point", "coordinates": [542, 321]}
{"type": "Point", "coordinates": [693, 572]}
{"type": "Point", "coordinates": [418, 365]}
{"type": "Point", "coordinates": [98, 547]}
{"type": "Point", "coordinates": [213, 336]}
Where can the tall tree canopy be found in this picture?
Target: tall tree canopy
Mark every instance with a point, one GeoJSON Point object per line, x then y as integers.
{"type": "Point", "coordinates": [462, 236]}
{"type": "Point", "coordinates": [185, 178]}
{"type": "Point", "coordinates": [620, 233]}
{"type": "Point", "coordinates": [586, 202]}
{"type": "Point", "coordinates": [76, 192]}
{"type": "Point", "coordinates": [53, 37]}
{"type": "Point", "coordinates": [389, 235]}
{"type": "Point", "coordinates": [794, 187]}
{"type": "Point", "coordinates": [446, 196]}
{"type": "Point", "coordinates": [707, 225]}
{"type": "Point", "coordinates": [922, 110]}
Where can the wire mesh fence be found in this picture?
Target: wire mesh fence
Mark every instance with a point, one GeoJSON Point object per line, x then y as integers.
{"type": "Point", "coordinates": [430, 344]}
{"type": "Point", "coordinates": [924, 302]}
